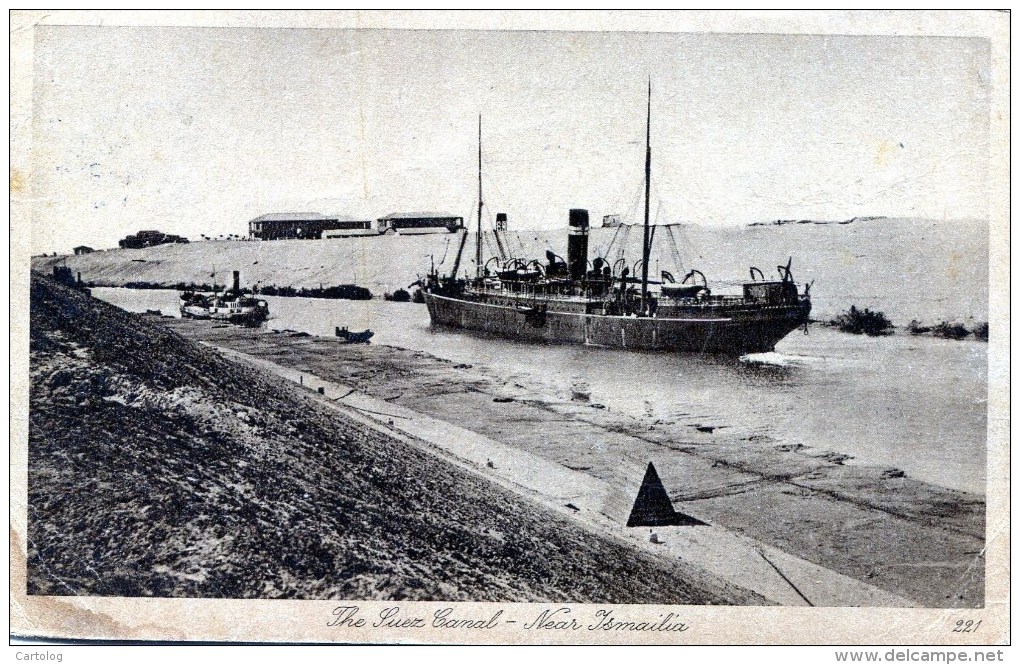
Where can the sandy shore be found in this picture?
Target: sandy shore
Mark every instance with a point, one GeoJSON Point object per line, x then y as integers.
{"type": "Point", "coordinates": [876, 536]}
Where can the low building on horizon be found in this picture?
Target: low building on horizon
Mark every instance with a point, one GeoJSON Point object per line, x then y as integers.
{"type": "Point", "coordinates": [148, 239]}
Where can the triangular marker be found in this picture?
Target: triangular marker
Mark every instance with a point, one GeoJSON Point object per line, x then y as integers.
{"type": "Point", "coordinates": [652, 507]}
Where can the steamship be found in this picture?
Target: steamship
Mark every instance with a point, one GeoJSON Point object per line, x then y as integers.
{"type": "Point", "coordinates": [597, 304]}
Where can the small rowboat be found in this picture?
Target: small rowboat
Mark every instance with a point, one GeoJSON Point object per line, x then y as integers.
{"type": "Point", "coordinates": [348, 337]}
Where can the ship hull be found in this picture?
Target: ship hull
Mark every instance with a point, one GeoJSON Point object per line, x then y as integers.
{"type": "Point", "coordinates": [250, 317]}
{"type": "Point", "coordinates": [734, 333]}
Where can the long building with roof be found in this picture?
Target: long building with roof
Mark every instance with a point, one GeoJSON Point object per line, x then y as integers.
{"type": "Point", "coordinates": [420, 222]}
{"type": "Point", "coordinates": [306, 226]}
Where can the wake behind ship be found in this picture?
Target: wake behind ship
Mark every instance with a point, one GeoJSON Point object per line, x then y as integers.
{"type": "Point", "coordinates": [603, 304]}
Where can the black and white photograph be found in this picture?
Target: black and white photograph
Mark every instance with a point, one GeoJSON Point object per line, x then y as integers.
{"type": "Point", "coordinates": [491, 333]}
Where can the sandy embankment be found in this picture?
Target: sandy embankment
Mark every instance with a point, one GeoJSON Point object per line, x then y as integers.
{"type": "Point", "coordinates": [849, 534]}
{"type": "Point", "coordinates": [159, 468]}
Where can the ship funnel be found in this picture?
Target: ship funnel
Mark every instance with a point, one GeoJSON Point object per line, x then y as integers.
{"type": "Point", "coordinates": [501, 222]}
{"type": "Point", "coordinates": [577, 243]}
{"type": "Point", "coordinates": [237, 281]}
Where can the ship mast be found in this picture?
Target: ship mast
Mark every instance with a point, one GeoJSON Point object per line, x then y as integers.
{"type": "Point", "coordinates": [478, 239]}
{"type": "Point", "coordinates": [648, 189]}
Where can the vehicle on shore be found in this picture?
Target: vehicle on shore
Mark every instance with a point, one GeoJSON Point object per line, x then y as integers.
{"type": "Point", "coordinates": [64, 275]}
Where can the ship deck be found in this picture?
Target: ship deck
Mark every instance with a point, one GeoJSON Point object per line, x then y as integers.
{"type": "Point", "coordinates": [667, 307]}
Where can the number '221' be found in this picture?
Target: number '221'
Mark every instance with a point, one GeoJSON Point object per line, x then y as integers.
{"type": "Point", "coordinates": [969, 626]}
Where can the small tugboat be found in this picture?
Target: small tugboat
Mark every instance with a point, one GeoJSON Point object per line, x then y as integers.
{"type": "Point", "coordinates": [348, 337]}
{"type": "Point", "coordinates": [230, 305]}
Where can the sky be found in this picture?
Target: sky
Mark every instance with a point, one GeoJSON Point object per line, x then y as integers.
{"type": "Point", "coordinates": [197, 130]}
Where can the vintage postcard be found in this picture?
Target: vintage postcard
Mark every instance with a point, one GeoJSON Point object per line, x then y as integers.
{"type": "Point", "coordinates": [510, 328]}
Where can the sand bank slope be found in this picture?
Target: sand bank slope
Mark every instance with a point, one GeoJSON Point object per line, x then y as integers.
{"type": "Point", "coordinates": [156, 467]}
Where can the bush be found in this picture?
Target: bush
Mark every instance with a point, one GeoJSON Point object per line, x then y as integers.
{"type": "Point", "coordinates": [341, 292]}
{"type": "Point", "coordinates": [950, 330]}
{"type": "Point", "coordinates": [400, 295]}
{"type": "Point", "coordinates": [916, 328]}
{"type": "Point", "coordinates": [864, 321]}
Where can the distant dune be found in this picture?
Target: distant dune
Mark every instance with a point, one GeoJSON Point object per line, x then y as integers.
{"type": "Point", "coordinates": [909, 268]}
{"type": "Point", "coordinates": [781, 222]}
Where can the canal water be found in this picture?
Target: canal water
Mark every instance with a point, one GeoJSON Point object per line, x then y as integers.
{"type": "Point", "coordinates": [915, 403]}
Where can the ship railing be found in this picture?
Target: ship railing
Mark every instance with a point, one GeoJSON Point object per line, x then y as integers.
{"type": "Point", "coordinates": [523, 290]}
{"type": "Point", "coordinates": [728, 302]}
